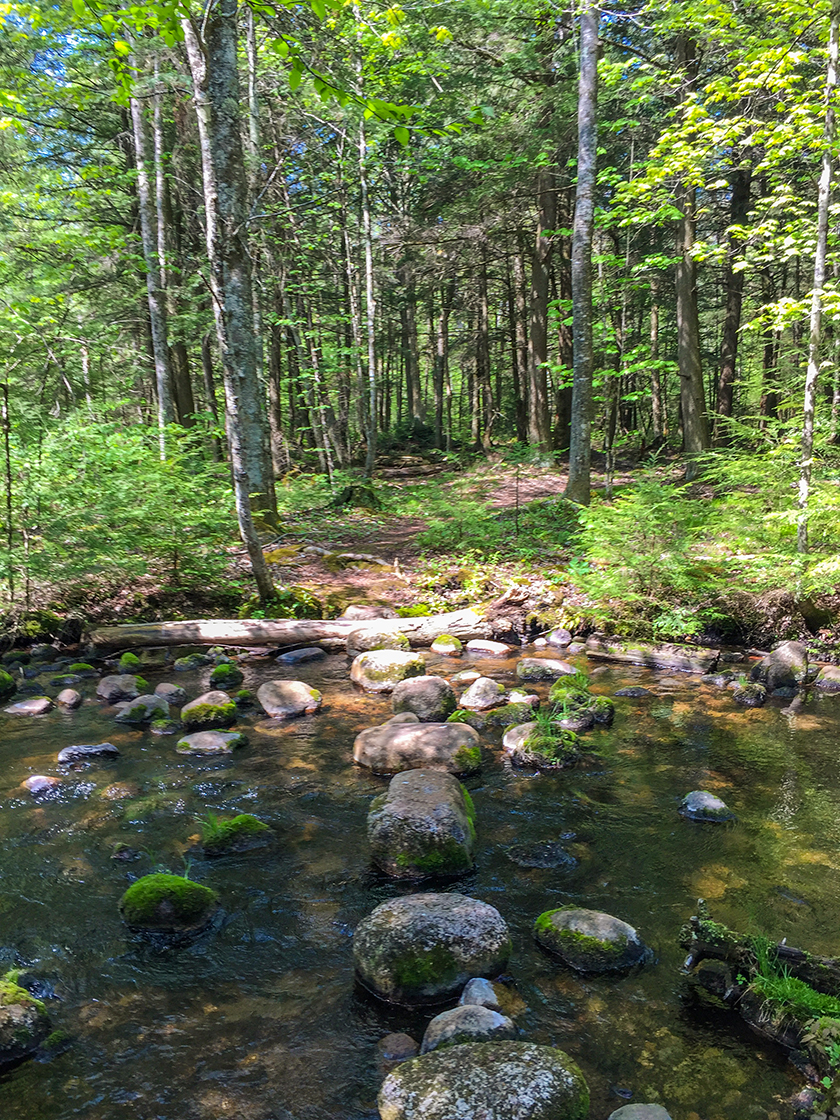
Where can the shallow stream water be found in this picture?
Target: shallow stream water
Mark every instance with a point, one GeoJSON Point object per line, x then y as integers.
{"type": "Point", "coordinates": [261, 1019]}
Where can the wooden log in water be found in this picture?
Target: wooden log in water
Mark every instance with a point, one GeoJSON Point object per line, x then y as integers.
{"type": "Point", "coordinates": [464, 624]}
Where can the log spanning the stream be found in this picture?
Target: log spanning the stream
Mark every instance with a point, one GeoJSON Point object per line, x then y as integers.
{"type": "Point", "coordinates": [422, 631]}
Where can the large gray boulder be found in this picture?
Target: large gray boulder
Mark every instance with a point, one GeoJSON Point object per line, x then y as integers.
{"type": "Point", "coordinates": [543, 669]}
{"type": "Point", "coordinates": [467, 1023]}
{"type": "Point", "coordinates": [374, 637]}
{"type": "Point", "coordinates": [35, 706]}
{"type": "Point", "coordinates": [80, 753]}
{"type": "Point", "coordinates": [208, 711]}
{"type": "Point", "coordinates": [210, 742]}
{"type": "Point", "coordinates": [120, 686]}
{"type": "Point", "coordinates": [589, 940]}
{"type": "Point", "coordinates": [431, 699]}
{"type": "Point", "coordinates": [424, 948]}
{"type": "Point", "coordinates": [381, 670]}
{"type": "Point", "coordinates": [483, 694]}
{"type": "Point", "coordinates": [640, 1112]}
{"type": "Point", "coordinates": [143, 709]}
{"type": "Point", "coordinates": [395, 747]}
{"type": "Point", "coordinates": [785, 667]}
{"type": "Point", "coordinates": [287, 699]}
{"type": "Point", "coordinates": [490, 1080]}
{"type": "Point", "coordinates": [422, 826]}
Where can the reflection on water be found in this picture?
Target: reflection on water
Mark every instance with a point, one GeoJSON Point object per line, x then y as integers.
{"type": "Point", "coordinates": [261, 1020]}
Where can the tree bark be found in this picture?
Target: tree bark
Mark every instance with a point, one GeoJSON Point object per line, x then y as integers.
{"type": "Point", "coordinates": [815, 326]}
{"type": "Point", "coordinates": [539, 420]}
{"type": "Point", "coordinates": [578, 486]}
{"type": "Point", "coordinates": [733, 279]}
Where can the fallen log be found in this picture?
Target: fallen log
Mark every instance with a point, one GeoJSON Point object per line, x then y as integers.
{"type": "Point", "coordinates": [421, 631]}
{"type": "Point", "coordinates": [681, 659]}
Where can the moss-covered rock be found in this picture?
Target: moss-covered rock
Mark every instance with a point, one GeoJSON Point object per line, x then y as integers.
{"type": "Point", "coordinates": [421, 826]}
{"type": "Point", "coordinates": [370, 637]}
{"type": "Point", "coordinates": [143, 709]}
{"type": "Point", "coordinates": [542, 669]}
{"type": "Point", "coordinates": [162, 903]}
{"type": "Point", "coordinates": [483, 694]}
{"type": "Point", "coordinates": [700, 805]}
{"type": "Point", "coordinates": [431, 699]}
{"type": "Point", "coordinates": [242, 833]}
{"type": "Point", "coordinates": [190, 662]}
{"type": "Point", "coordinates": [24, 1023]}
{"type": "Point", "coordinates": [7, 685]}
{"type": "Point", "coordinates": [124, 686]}
{"type": "Point", "coordinates": [394, 747]}
{"type": "Point", "coordinates": [129, 662]}
{"type": "Point", "coordinates": [226, 675]}
{"type": "Point", "coordinates": [210, 710]}
{"type": "Point", "coordinates": [424, 948]}
{"type": "Point", "coordinates": [166, 726]}
{"type": "Point", "coordinates": [751, 695]}
{"type": "Point", "coordinates": [589, 940]}
{"type": "Point", "coordinates": [382, 670]}
{"type": "Point", "coordinates": [531, 744]}
{"type": "Point", "coordinates": [288, 699]}
{"type": "Point", "coordinates": [448, 645]}
{"type": "Point", "coordinates": [493, 1080]}
{"type": "Point", "coordinates": [211, 742]}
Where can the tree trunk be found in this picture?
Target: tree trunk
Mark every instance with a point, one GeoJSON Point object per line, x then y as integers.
{"type": "Point", "coordinates": [216, 94]}
{"type": "Point", "coordinates": [815, 326]}
{"type": "Point", "coordinates": [484, 389]}
{"type": "Point", "coordinates": [657, 404]}
{"type": "Point", "coordinates": [539, 420]}
{"type": "Point", "coordinates": [733, 280]}
{"type": "Point", "coordinates": [519, 341]}
{"type": "Point", "coordinates": [577, 488]}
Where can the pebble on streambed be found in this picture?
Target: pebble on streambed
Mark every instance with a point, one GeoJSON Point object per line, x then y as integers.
{"type": "Point", "coordinates": [700, 805]}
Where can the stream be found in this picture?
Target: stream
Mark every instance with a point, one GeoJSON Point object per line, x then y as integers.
{"type": "Point", "coordinates": [260, 1019]}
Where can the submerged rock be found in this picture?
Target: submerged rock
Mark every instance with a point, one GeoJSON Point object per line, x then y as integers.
{"type": "Point", "coordinates": [382, 670]}
{"type": "Point", "coordinates": [490, 1080]}
{"type": "Point", "coordinates": [422, 826]}
{"type": "Point", "coordinates": [123, 686]}
{"type": "Point", "coordinates": [750, 695]}
{"type": "Point", "coordinates": [24, 1023]}
{"type": "Point", "coordinates": [143, 709]}
{"type": "Point", "coordinates": [640, 1112]}
{"type": "Point", "coordinates": [549, 854]}
{"type": "Point", "coordinates": [163, 903]}
{"type": "Point", "coordinates": [634, 692]}
{"type": "Point", "coordinates": [466, 1023]}
{"type": "Point", "coordinates": [37, 706]}
{"type": "Point", "coordinates": [395, 747]}
{"type": "Point", "coordinates": [431, 699]}
{"type": "Point", "coordinates": [301, 656]}
{"type": "Point", "coordinates": [210, 742]}
{"type": "Point", "coordinates": [543, 669]}
{"type": "Point", "coordinates": [397, 1047]}
{"type": "Point", "coordinates": [589, 940]}
{"type": "Point", "coordinates": [423, 948]}
{"type": "Point", "coordinates": [288, 699]}
{"type": "Point", "coordinates": [80, 753]}
{"type": "Point", "coordinates": [700, 805]}
{"type": "Point", "coordinates": [41, 785]}
{"type": "Point", "coordinates": [242, 833]}
{"type": "Point", "coordinates": [208, 711]}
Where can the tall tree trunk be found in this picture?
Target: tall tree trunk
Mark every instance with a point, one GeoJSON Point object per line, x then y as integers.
{"type": "Point", "coordinates": [484, 388]}
{"type": "Point", "coordinates": [577, 488]}
{"type": "Point", "coordinates": [815, 326]}
{"type": "Point", "coordinates": [733, 280]}
{"type": "Point", "coordinates": [210, 392]}
{"type": "Point", "coordinates": [154, 287]}
{"type": "Point", "coordinates": [539, 420]}
{"type": "Point", "coordinates": [370, 308]}
{"type": "Point", "coordinates": [657, 403]}
{"type": "Point", "coordinates": [215, 81]}
{"type": "Point", "coordinates": [519, 342]}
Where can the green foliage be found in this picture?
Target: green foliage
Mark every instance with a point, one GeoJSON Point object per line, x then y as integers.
{"type": "Point", "coordinates": [788, 995]}
{"type": "Point", "coordinates": [218, 836]}
{"type": "Point", "coordinates": [288, 602]}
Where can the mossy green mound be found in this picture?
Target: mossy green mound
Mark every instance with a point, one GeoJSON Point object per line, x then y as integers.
{"type": "Point", "coordinates": [208, 711]}
{"type": "Point", "coordinates": [226, 675]}
{"type": "Point", "coordinates": [167, 904]}
{"type": "Point", "coordinates": [589, 940]}
{"type": "Point", "coordinates": [129, 662]}
{"type": "Point", "coordinates": [240, 834]}
{"type": "Point", "coordinates": [24, 1023]}
{"type": "Point", "coordinates": [7, 685]}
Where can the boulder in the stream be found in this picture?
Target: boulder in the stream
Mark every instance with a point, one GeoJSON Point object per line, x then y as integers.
{"type": "Point", "coordinates": [301, 656]}
{"type": "Point", "coordinates": [559, 638]}
{"type": "Point", "coordinates": [381, 670]}
{"type": "Point", "coordinates": [529, 744]}
{"type": "Point", "coordinates": [423, 825]}
{"type": "Point", "coordinates": [41, 785]}
{"type": "Point", "coordinates": [210, 742]}
{"type": "Point", "coordinates": [362, 612]}
{"type": "Point", "coordinates": [189, 662]}
{"type": "Point", "coordinates": [81, 753]}
{"type": "Point", "coordinates": [226, 675]}
{"type": "Point", "coordinates": [162, 903]}
{"type": "Point", "coordinates": [369, 638]}
{"type": "Point", "coordinates": [172, 693]}
{"type": "Point", "coordinates": [208, 711]}
{"type": "Point", "coordinates": [242, 833]}
{"type": "Point", "coordinates": [35, 706]}
{"type": "Point", "coordinates": [784, 667]}
{"type": "Point", "coordinates": [394, 747]}
{"type": "Point", "coordinates": [543, 669]}
{"type": "Point", "coordinates": [24, 1023]}
{"type": "Point", "coordinates": [589, 940]}
{"type": "Point", "coordinates": [483, 647]}
{"type": "Point", "coordinates": [448, 646]}
{"type": "Point", "coordinates": [640, 1112]}
{"type": "Point", "coordinates": [120, 686]}
{"type": "Point", "coordinates": [700, 805]}
{"type": "Point", "coordinates": [492, 1080]}
{"type": "Point", "coordinates": [288, 699]}
{"type": "Point", "coordinates": [682, 659]}
{"type": "Point", "coordinates": [828, 678]}
{"type": "Point", "coordinates": [143, 709]}
{"type": "Point", "coordinates": [466, 1023]}
{"type": "Point", "coordinates": [432, 699]}
{"type": "Point", "coordinates": [423, 948]}
{"type": "Point", "coordinates": [750, 695]}
{"type": "Point", "coordinates": [69, 698]}
{"type": "Point", "coordinates": [483, 694]}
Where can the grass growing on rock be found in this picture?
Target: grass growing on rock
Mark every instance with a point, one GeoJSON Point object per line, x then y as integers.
{"type": "Point", "coordinates": [164, 902]}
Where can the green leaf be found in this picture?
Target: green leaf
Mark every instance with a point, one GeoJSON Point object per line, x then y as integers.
{"type": "Point", "coordinates": [295, 77]}
{"type": "Point", "coordinates": [401, 135]}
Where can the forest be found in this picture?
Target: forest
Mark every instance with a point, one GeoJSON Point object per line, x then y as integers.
{"type": "Point", "coordinates": [269, 268]}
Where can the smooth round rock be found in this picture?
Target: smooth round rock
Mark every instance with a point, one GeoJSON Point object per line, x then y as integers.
{"type": "Point", "coordinates": [143, 709]}
{"type": "Point", "coordinates": [483, 694]}
{"type": "Point", "coordinates": [483, 647]}
{"type": "Point", "coordinates": [785, 667]}
{"type": "Point", "coordinates": [466, 1023]}
{"type": "Point", "coordinates": [431, 699]}
{"type": "Point", "coordinates": [288, 699]}
{"type": "Point", "coordinates": [589, 940]}
{"type": "Point", "coordinates": [550, 854]}
{"type": "Point", "coordinates": [448, 646]}
{"type": "Point", "coordinates": [210, 742]}
{"type": "Point", "coordinates": [83, 752]}
{"type": "Point", "coordinates": [466, 676]}
{"type": "Point", "coordinates": [397, 1047]}
{"type": "Point", "coordinates": [542, 669]}
{"type": "Point", "coordinates": [395, 747]}
{"type": "Point", "coordinates": [301, 656]}
{"type": "Point", "coordinates": [480, 992]}
{"type": "Point", "coordinates": [69, 698]}
{"type": "Point", "coordinates": [364, 611]}
{"type": "Point", "coordinates": [37, 706]}
{"type": "Point", "coordinates": [381, 670]}
{"type": "Point", "coordinates": [559, 638]}
{"type": "Point", "coordinates": [700, 805]}
{"type": "Point", "coordinates": [120, 686]}
{"type": "Point", "coordinates": [171, 693]}
{"type": "Point", "coordinates": [423, 948]}
{"type": "Point", "coordinates": [41, 785]}
{"type": "Point", "coordinates": [640, 1112]}
{"type": "Point", "coordinates": [209, 711]}
{"type": "Point", "coordinates": [226, 675]}
{"type": "Point", "coordinates": [490, 1080]}
{"type": "Point", "coordinates": [403, 717]}
{"type": "Point", "coordinates": [421, 826]}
